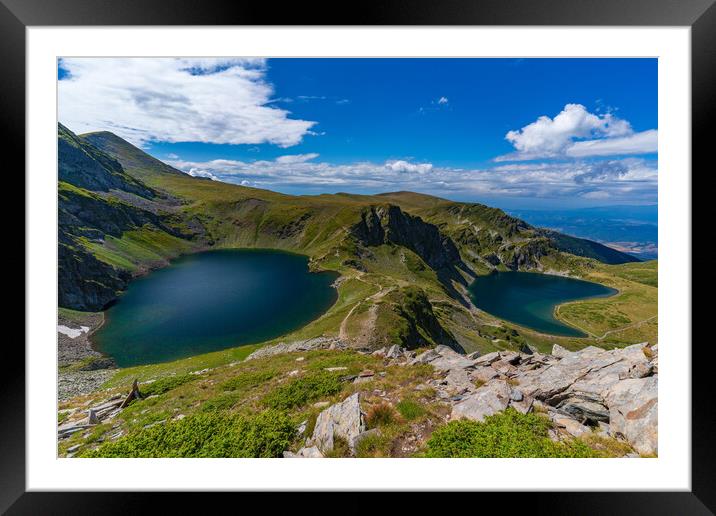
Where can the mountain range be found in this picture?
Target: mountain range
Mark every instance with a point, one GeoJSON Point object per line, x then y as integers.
{"type": "Point", "coordinates": [411, 256]}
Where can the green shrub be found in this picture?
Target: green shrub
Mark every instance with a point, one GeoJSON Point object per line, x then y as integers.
{"type": "Point", "coordinates": [247, 380]}
{"type": "Point", "coordinates": [207, 435]}
{"type": "Point", "coordinates": [221, 402]}
{"type": "Point", "coordinates": [507, 434]}
{"type": "Point", "coordinates": [410, 409]}
{"type": "Point", "coordinates": [300, 391]}
{"type": "Point", "coordinates": [165, 384]}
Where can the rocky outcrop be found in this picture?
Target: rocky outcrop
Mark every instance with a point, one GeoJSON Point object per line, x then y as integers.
{"type": "Point", "coordinates": [614, 391]}
{"type": "Point", "coordinates": [343, 419]}
{"type": "Point", "coordinates": [389, 224]}
{"type": "Point", "coordinates": [299, 345]}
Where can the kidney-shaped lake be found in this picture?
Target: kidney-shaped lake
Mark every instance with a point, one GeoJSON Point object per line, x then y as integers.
{"type": "Point", "coordinates": [213, 300]}
{"type": "Point", "coordinates": [529, 299]}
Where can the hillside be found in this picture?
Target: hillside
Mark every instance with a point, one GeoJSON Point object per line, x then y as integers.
{"type": "Point", "coordinates": [123, 212]}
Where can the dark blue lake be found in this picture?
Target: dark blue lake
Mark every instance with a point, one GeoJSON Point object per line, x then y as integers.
{"type": "Point", "coordinates": [213, 300]}
{"type": "Point", "coordinates": [529, 299]}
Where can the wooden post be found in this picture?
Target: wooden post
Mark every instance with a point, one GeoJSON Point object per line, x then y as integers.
{"type": "Point", "coordinates": [133, 395]}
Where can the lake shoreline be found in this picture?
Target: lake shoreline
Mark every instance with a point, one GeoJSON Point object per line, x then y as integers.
{"type": "Point", "coordinates": [213, 297]}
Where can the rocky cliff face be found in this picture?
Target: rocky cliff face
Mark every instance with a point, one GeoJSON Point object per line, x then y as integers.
{"type": "Point", "coordinates": [98, 199]}
{"type": "Point", "coordinates": [389, 224]}
{"type": "Point", "coordinates": [85, 166]}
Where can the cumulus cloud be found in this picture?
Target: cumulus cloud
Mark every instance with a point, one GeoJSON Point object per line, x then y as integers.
{"type": "Point", "coordinates": [629, 179]}
{"type": "Point", "coordinates": [404, 166]}
{"type": "Point", "coordinates": [211, 100]}
{"type": "Point", "coordinates": [575, 132]}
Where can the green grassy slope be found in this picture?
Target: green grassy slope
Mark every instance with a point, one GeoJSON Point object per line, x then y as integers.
{"type": "Point", "coordinates": [405, 258]}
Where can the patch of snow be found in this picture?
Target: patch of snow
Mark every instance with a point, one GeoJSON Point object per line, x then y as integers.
{"type": "Point", "coordinates": [72, 333]}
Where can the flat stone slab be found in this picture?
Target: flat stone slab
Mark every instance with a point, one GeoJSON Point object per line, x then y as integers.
{"type": "Point", "coordinates": [485, 401]}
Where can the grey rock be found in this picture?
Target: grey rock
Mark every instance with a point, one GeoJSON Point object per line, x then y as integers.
{"type": "Point", "coordinates": [483, 374]}
{"type": "Point", "coordinates": [342, 419]}
{"type": "Point", "coordinates": [487, 359]}
{"type": "Point", "coordinates": [309, 452]}
{"type": "Point", "coordinates": [584, 409]}
{"type": "Point", "coordinates": [559, 351]}
{"type": "Point", "coordinates": [516, 395]}
{"type": "Point", "coordinates": [450, 359]}
{"type": "Point", "coordinates": [485, 401]}
{"type": "Point", "coordinates": [426, 357]}
{"type": "Point", "coordinates": [524, 405]}
{"type": "Point", "coordinates": [459, 381]}
{"type": "Point", "coordinates": [633, 412]}
{"type": "Point", "coordinates": [571, 426]}
{"type": "Point", "coordinates": [394, 351]}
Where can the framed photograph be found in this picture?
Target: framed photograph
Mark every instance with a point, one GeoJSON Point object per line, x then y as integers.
{"type": "Point", "coordinates": [426, 248]}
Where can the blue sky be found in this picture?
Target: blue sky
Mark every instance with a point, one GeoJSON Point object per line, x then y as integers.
{"type": "Point", "coordinates": [514, 133]}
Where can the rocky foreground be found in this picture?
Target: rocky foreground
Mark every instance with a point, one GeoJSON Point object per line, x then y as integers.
{"type": "Point", "coordinates": [611, 392]}
{"type": "Point", "coordinates": [607, 394]}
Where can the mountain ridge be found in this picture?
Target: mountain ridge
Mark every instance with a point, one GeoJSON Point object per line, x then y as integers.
{"type": "Point", "coordinates": [151, 212]}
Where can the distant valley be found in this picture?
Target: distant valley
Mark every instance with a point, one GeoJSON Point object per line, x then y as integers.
{"type": "Point", "coordinates": [630, 229]}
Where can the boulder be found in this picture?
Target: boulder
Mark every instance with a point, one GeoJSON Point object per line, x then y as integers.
{"type": "Point", "coordinates": [483, 374]}
{"type": "Point", "coordinates": [450, 359]}
{"type": "Point", "coordinates": [459, 381]}
{"type": "Point", "coordinates": [524, 405]}
{"type": "Point", "coordinates": [485, 401]}
{"type": "Point", "coordinates": [583, 409]}
{"type": "Point", "coordinates": [571, 426]}
{"type": "Point", "coordinates": [426, 357]}
{"type": "Point", "coordinates": [559, 351]}
{"type": "Point", "coordinates": [394, 351]}
{"type": "Point", "coordinates": [473, 356]}
{"type": "Point", "coordinates": [487, 359]}
{"type": "Point", "coordinates": [633, 413]}
{"type": "Point", "coordinates": [343, 419]}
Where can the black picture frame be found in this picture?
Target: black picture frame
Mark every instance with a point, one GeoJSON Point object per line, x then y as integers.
{"type": "Point", "coordinates": [700, 15]}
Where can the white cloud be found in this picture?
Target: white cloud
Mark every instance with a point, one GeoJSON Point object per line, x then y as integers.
{"type": "Point", "coordinates": [296, 158]}
{"type": "Point", "coordinates": [575, 132]}
{"type": "Point", "coordinates": [638, 143]}
{"type": "Point", "coordinates": [220, 100]}
{"type": "Point", "coordinates": [404, 166]}
{"type": "Point", "coordinates": [629, 179]}
{"type": "Point", "coordinates": [197, 172]}
{"type": "Point", "coordinates": [443, 100]}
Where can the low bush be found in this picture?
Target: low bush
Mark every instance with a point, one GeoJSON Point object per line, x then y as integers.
{"type": "Point", "coordinates": [247, 380]}
{"type": "Point", "coordinates": [207, 435]}
{"type": "Point", "coordinates": [503, 435]}
{"type": "Point", "coordinates": [303, 390]}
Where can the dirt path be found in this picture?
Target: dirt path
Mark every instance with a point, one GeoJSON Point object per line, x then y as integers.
{"type": "Point", "coordinates": [369, 324]}
{"type": "Point", "coordinates": [627, 327]}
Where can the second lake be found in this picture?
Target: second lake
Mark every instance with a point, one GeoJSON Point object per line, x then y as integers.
{"type": "Point", "coordinates": [529, 299]}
